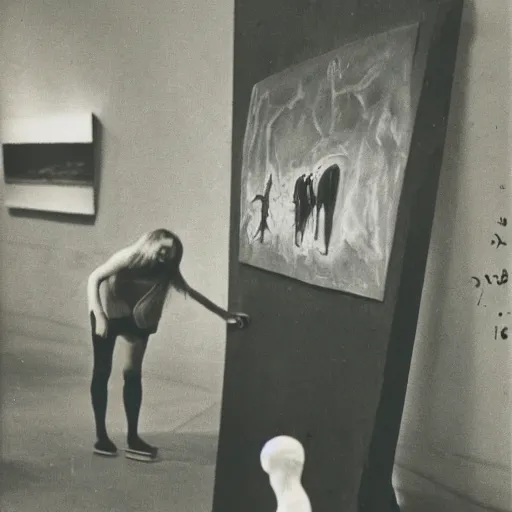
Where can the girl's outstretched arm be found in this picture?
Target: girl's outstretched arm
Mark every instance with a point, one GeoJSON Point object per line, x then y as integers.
{"type": "Point", "coordinates": [240, 319]}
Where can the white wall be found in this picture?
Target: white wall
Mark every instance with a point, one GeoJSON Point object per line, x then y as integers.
{"type": "Point", "coordinates": [158, 76]}
{"type": "Point", "coordinates": [456, 429]}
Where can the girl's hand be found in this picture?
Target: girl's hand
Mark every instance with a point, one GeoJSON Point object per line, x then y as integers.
{"type": "Point", "coordinates": [241, 320]}
{"type": "Point", "coordinates": [99, 325]}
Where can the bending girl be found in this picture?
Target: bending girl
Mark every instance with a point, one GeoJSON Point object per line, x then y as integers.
{"type": "Point", "coordinates": [137, 282]}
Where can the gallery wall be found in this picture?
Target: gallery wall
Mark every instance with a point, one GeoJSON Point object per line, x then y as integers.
{"type": "Point", "coordinates": [158, 77]}
{"type": "Point", "coordinates": [457, 424]}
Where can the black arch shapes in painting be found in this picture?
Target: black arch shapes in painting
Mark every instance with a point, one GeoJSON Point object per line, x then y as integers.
{"type": "Point", "coordinates": [304, 200]}
{"type": "Point", "coordinates": [327, 194]}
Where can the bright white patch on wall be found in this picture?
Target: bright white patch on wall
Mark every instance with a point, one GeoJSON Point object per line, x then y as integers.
{"type": "Point", "coordinates": [48, 164]}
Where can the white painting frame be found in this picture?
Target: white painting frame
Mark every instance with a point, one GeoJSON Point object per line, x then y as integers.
{"type": "Point", "coordinates": [48, 163]}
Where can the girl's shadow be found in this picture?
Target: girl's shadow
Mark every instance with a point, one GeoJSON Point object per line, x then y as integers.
{"type": "Point", "coordinates": [191, 448]}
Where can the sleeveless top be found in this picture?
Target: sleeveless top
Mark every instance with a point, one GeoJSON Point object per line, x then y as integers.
{"type": "Point", "coordinates": [134, 293]}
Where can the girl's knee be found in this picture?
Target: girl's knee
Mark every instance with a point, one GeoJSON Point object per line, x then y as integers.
{"type": "Point", "coordinates": [100, 378]}
{"type": "Point", "coordinates": [134, 356]}
{"type": "Point", "coordinates": [132, 372]}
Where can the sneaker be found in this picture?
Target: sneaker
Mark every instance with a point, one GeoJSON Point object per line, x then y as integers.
{"type": "Point", "coordinates": [139, 450]}
{"type": "Point", "coordinates": [105, 447]}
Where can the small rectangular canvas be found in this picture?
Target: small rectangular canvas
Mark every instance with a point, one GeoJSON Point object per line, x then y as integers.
{"type": "Point", "coordinates": [48, 164]}
{"type": "Point", "coordinates": [325, 150]}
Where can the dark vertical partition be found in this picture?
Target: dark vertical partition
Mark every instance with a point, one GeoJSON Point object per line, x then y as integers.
{"type": "Point", "coordinates": [326, 367]}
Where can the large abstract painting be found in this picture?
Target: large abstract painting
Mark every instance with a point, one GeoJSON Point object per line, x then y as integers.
{"type": "Point", "coordinates": [48, 163]}
{"type": "Point", "coordinates": [325, 150]}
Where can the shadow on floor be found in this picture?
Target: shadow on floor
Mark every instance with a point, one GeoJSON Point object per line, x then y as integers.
{"type": "Point", "coordinates": [189, 448]}
{"type": "Point", "coordinates": [47, 438]}
{"type": "Point", "coordinates": [17, 475]}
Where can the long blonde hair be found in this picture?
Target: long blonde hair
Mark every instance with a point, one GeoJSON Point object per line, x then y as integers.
{"type": "Point", "coordinates": [145, 252]}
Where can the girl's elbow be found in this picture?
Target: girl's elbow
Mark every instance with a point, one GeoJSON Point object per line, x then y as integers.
{"type": "Point", "coordinates": [94, 280]}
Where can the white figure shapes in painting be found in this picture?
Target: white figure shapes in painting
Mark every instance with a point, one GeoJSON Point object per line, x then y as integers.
{"type": "Point", "coordinates": [282, 458]}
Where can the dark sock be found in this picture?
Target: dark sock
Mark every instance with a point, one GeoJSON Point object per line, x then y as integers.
{"type": "Point", "coordinates": [103, 350]}
{"type": "Point", "coordinates": [132, 397]}
{"type": "Point", "coordinates": [99, 396]}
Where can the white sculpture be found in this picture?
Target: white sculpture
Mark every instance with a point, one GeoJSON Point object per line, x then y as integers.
{"type": "Point", "coordinates": [282, 458]}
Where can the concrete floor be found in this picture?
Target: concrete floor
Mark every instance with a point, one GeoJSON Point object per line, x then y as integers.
{"type": "Point", "coordinates": [418, 494]}
{"type": "Point", "coordinates": [47, 435]}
